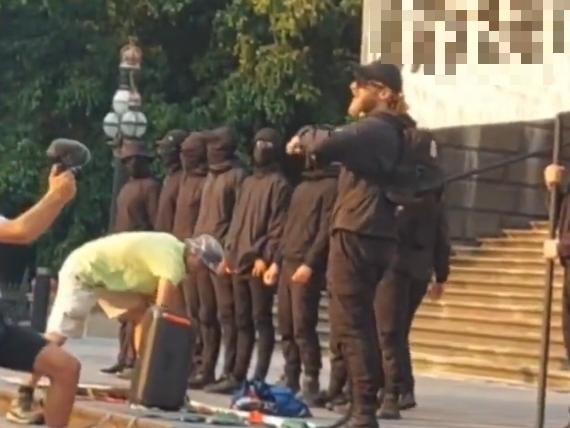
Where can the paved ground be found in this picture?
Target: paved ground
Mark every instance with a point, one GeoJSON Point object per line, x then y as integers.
{"type": "Point", "coordinates": [443, 403]}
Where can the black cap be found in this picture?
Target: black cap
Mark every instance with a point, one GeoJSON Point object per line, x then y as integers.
{"type": "Point", "coordinates": [173, 138]}
{"type": "Point", "coordinates": [268, 134]}
{"type": "Point", "coordinates": [376, 71]}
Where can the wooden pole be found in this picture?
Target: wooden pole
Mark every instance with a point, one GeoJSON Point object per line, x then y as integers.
{"type": "Point", "coordinates": [548, 285]}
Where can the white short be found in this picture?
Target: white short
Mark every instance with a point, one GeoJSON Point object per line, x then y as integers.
{"type": "Point", "coordinates": [75, 300]}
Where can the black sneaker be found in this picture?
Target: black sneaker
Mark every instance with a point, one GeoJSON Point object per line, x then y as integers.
{"type": "Point", "coordinates": [407, 401]}
{"type": "Point", "coordinates": [23, 410]}
{"type": "Point", "coordinates": [390, 407]}
{"type": "Point", "coordinates": [200, 381]}
{"type": "Point", "coordinates": [311, 393]}
{"type": "Point", "coordinates": [114, 369]}
{"type": "Point", "coordinates": [226, 386]}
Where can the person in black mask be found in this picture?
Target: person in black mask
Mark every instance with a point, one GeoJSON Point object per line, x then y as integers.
{"type": "Point", "coordinates": [223, 182]}
{"type": "Point", "coordinates": [251, 247]}
{"type": "Point", "coordinates": [363, 239]}
{"type": "Point", "coordinates": [302, 267]}
{"type": "Point", "coordinates": [168, 150]}
{"type": "Point", "coordinates": [194, 169]}
{"type": "Point", "coordinates": [137, 205]}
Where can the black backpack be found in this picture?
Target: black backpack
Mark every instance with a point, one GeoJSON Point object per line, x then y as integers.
{"type": "Point", "coordinates": [416, 172]}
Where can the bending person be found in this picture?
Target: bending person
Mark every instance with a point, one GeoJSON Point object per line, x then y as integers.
{"type": "Point", "coordinates": [125, 274]}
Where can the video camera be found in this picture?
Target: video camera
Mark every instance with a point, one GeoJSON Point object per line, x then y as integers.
{"type": "Point", "coordinates": [68, 155]}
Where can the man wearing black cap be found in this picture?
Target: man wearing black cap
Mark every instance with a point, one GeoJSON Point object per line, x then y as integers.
{"type": "Point", "coordinates": [168, 150]}
{"type": "Point", "coordinates": [225, 176]}
{"type": "Point", "coordinates": [137, 204]}
{"type": "Point", "coordinates": [194, 170]}
{"type": "Point", "coordinates": [363, 222]}
{"type": "Point", "coordinates": [251, 247]}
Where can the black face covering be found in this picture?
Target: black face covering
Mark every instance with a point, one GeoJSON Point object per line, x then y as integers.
{"type": "Point", "coordinates": [137, 167]}
{"type": "Point", "coordinates": [221, 148]}
{"type": "Point", "coordinates": [264, 153]}
{"type": "Point", "coordinates": [169, 156]}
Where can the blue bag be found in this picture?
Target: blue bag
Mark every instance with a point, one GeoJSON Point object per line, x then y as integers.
{"type": "Point", "coordinates": [272, 400]}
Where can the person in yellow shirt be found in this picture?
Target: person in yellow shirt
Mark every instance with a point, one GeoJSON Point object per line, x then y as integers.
{"type": "Point", "coordinates": [125, 273]}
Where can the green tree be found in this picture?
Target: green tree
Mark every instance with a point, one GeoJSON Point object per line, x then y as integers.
{"type": "Point", "coordinates": [249, 63]}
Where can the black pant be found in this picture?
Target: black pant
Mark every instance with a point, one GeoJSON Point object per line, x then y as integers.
{"type": "Point", "coordinates": [416, 293]}
{"type": "Point", "coordinates": [192, 303]}
{"type": "Point", "coordinates": [298, 314]}
{"type": "Point", "coordinates": [19, 347]}
{"type": "Point", "coordinates": [338, 375]}
{"type": "Point", "coordinates": [209, 325]}
{"type": "Point", "coordinates": [223, 288]}
{"type": "Point", "coordinates": [253, 310]}
{"type": "Point", "coordinates": [356, 266]}
{"type": "Point", "coordinates": [127, 353]}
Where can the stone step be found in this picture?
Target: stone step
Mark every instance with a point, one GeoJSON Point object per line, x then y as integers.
{"type": "Point", "coordinates": [495, 312]}
{"type": "Point", "coordinates": [540, 224]}
{"type": "Point", "coordinates": [446, 331]}
{"type": "Point", "coordinates": [529, 358]}
{"type": "Point", "coordinates": [454, 293]}
{"type": "Point", "coordinates": [481, 368]}
{"type": "Point", "coordinates": [490, 262]}
{"type": "Point", "coordinates": [527, 233]}
{"type": "Point", "coordinates": [513, 242]}
{"type": "Point", "coordinates": [498, 251]}
{"type": "Point", "coordinates": [534, 285]}
{"type": "Point", "coordinates": [501, 274]}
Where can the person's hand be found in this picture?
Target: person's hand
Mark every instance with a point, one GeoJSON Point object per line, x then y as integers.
{"type": "Point", "coordinates": [294, 146]}
{"type": "Point", "coordinates": [259, 268]}
{"type": "Point", "coordinates": [223, 268]}
{"type": "Point", "coordinates": [271, 275]}
{"type": "Point", "coordinates": [550, 249]}
{"type": "Point", "coordinates": [302, 275]}
{"type": "Point", "coordinates": [436, 290]}
{"type": "Point", "coordinates": [62, 184]}
{"type": "Point", "coordinates": [553, 175]}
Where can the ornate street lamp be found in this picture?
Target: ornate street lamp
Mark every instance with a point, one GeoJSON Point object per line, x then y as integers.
{"type": "Point", "coordinates": [125, 120]}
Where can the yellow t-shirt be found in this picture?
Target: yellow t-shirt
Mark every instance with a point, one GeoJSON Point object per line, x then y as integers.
{"type": "Point", "coordinates": [129, 261]}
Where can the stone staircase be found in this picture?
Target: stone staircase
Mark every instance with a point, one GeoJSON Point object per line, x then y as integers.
{"type": "Point", "coordinates": [488, 325]}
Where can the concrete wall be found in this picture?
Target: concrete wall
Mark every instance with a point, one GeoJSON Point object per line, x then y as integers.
{"type": "Point", "coordinates": [511, 196]}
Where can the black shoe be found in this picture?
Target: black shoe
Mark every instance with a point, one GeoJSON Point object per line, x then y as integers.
{"type": "Point", "coordinates": [336, 400]}
{"type": "Point", "coordinates": [357, 423]}
{"type": "Point", "coordinates": [225, 386]}
{"type": "Point", "coordinates": [390, 407]}
{"type": "Point", "coordinates": [200, 380]}
{"type": "Point", "coordinates": [23, 410]}
{"type": "Point", "coordinates": [341, 408]}
{"type": "Point", "coordinates": [114, 369]}
{"type": "Point", "coordinates": [291, 382]}
{"type": "Point", "coordinates": [407, 401]}
{"type": "Point", "coordinates": [311, 392]}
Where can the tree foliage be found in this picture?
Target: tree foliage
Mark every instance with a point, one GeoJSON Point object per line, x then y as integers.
{"type": "Point", "coordinates": [250, 63]}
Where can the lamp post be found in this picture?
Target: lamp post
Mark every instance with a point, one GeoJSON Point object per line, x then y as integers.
{"type": "Point", "coordinates": [125, 120]}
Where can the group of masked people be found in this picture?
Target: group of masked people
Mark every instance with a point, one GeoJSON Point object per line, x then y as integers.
{"type": "Point", "coordinates": [337, 232]}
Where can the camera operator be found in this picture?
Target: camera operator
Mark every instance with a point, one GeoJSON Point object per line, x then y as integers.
{"type": "Point", "coordinates": [363, 237]}
{"type": "Point", "coordinates": [24, 350]}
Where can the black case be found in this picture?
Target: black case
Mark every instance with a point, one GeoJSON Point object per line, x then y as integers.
{"type": "Point", "coordinates": [161, 373]}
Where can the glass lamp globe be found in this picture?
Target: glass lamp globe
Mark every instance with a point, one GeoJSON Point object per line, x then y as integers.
{"type": "Point", "coordinates": [121, 101]}
{"type": "Point", "coordinates": [111, 124]}
{"type": "Point", "coordinates": [133, 124]}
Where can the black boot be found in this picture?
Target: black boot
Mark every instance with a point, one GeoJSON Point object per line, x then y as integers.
{"type": "Point", "coordinates": [226, 386]}
{"type": "Point", "coordinates": [311, 391]}
{"type": "Point", "coordinates": [290, 381]}
{"type": "Point", "coordinates": [114, 369]}
{"type": "Point", "coordinates": [390, 407]}
{"type": "Point", "coordinates": [407, 401]}
{"type": "Point", "coordinates": [200, 380]}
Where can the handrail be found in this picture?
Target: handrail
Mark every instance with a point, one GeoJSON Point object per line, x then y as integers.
{"type": "Point", "coordinates": [500, 164]}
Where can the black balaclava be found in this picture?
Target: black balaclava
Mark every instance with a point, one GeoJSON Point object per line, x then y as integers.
{"type": "Point", "coordinates": [221, 148]}
{"type": "Point", "coordinates": [137, 167]}
{"type": "Point", "coordinates": [168, 149]}
{"type": "Point", "coordinates": [193, 154]}
{"type": "Point", "coordinates": [267, 149]}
